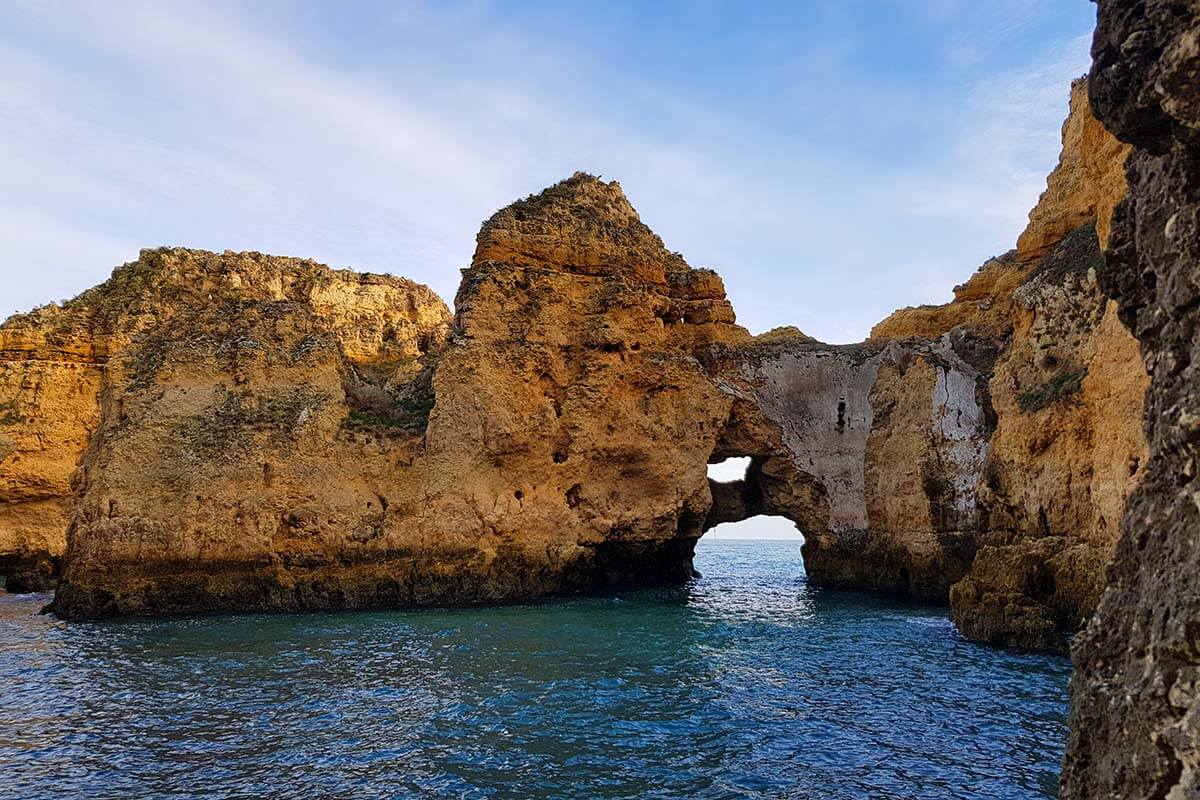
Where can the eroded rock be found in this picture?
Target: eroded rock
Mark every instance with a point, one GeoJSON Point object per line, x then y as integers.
{"type": "Point", "coordinates": [61, 366]}
{"type": "Point", "coordinates": [1135, 703]}
{"type": "Point", "coordinates": [267, 434]}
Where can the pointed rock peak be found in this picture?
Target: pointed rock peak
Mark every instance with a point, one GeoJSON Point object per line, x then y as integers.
{"type": "Point", "coordinates": [581, 194]}
{"type": "Point", "coordinates": [1086, 185]}
{"type": "Point", "coordinates": [582, 224]}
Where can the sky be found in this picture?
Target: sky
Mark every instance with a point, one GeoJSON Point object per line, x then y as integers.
{"type": "Point", "coordinates": [832, 159]}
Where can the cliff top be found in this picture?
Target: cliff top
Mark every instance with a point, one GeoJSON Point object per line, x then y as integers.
{"type": "Point", "coordinates": [582, 224]}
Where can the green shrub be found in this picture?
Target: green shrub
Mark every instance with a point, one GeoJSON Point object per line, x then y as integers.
{"type": "Point", "coordinates": [10, 414]}
{"type": "Point", "coordinates": [1057, 388]}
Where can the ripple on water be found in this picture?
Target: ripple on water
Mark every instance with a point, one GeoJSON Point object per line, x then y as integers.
{"type": "Point", "coordinates": [746, 683]}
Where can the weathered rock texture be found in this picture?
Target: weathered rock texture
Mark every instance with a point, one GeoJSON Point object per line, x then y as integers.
{"type": "Point", "coordinates": [256, 452]}
{"type": "Point", "coordinates": [1067, 393]}
{"type": "Point", "coordinates": [262, 433]}
{"type": "Point", "coordinates": [1061, 387]}
{"type": "Point", "coordinates": [1135, 693]}
{"type": "Point", "coordinates": [61, 366]}
{"type": "Point", "coordinates": [1086, 185]}
{"type": "Point", "coordinates": [980, 450]}
{"type": "Point", "coordinates": [873, 450]}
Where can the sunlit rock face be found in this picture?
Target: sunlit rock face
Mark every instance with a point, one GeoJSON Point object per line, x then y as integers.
{"type": "Point", "coordinates": [253, 432]}
{"type": "Point", "coordinates": [1135, 693]}
{"type": "Point", "coordinates": [259, 450]}
{"type": "Point", "coordinates": [980, 451]}
{"type": "Point", "coordinates": [181, 361]}
{"type": "Point", "coordinates": [58, 364]}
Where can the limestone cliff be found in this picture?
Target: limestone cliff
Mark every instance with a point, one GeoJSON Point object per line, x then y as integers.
{"type": "Point", "coordinates": [1086, 185]}
{"type": "Point", "coordinates": [247, 457]}
{"type": "Point", "coordinates": [57, 363]}
{"type": "Point", "coordinates": [986, 445]}
{"type": "Point", "coordinates": [254, 432]}
{"type": "Point", "coordinates": [1067, 393]}
{"type": "Point", "coordinates": [1135, 693]}
{"type": "Point", "coordinates": [872, 450]}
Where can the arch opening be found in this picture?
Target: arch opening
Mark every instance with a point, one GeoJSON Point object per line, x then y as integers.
{"type": "Point", "coordinates": [729, 469]}
{"type": "Point", "coordinates": [760, 526]}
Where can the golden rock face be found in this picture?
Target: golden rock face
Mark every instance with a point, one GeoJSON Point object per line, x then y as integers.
{"type": "Point", "coordinates": [241, 431]}
{"type": "Point", "coordinates": [66, 371]}
{"type": "Point", "coordinates": [1086, 185]}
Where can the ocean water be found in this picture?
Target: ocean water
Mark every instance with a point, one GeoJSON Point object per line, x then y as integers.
{"type": "Point", "coordinates": [746, 683]}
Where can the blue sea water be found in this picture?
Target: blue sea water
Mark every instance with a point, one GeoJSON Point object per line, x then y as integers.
{"type": "Point", "coordinates": [746, 683]}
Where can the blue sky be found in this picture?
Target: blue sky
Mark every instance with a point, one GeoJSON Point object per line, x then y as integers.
{"type": "Point", "coordinates": [832, 159]}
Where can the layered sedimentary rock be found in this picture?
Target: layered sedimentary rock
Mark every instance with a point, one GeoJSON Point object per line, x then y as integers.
{"type": "Point", "coordinates": [1067, 393]}
{"type": "Point", "coordinates": [1065, 387]}
{"type": "Point", "coordinates": [1086, 185]}
{"type": "Point", "coordinates": [872, 450]}
{"type": "Point", "coordinates": [60, 366]}
{"type": "Point", "coordinates": [987, 444]}
{"type": "Point", "coordinates": [1135, 693]}
{"type": "Point", "coordinates": [252, 432]}
{"type": "Point", "coordinates": [249, 457]}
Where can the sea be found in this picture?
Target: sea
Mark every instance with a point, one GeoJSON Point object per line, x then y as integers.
{"type": "Point", "coordinates": [745, 683]}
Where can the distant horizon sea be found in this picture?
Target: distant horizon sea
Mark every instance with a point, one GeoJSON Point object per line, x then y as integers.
{"type": "Point", "coordinates": [745, 683]}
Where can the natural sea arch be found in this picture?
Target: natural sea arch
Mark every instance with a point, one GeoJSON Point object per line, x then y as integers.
{"type": "Point", "coordinates": [736, 481]}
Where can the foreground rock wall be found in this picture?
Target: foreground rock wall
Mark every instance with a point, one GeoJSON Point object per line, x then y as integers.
{"type": "Point", "coordinates": [1135, 693]}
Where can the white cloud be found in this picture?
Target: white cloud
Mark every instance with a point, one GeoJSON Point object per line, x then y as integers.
{"type": "Point", "coordinates": [172, 123]}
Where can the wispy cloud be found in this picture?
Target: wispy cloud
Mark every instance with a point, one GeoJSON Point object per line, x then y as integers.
{"type": "Point", "coordinates": [205, 125]}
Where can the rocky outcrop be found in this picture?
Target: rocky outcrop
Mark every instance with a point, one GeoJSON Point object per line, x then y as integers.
{"type": "Point", "coordinates": [872, 450]}
{"type": "Point", "coordinates": [248, 458]}
{"type": "Point", "coordinates": [1067, 393]}
{"type": "Point", "coordinates": [263, 433]}
{"type": "Point", "coordinates": [1064, 387]}
{"type": "Point", "coordinates": [1135, 692]}
{"type": "Point", "coordinates": [58, 363]}
{"type": "Point", "coordinates": [1086, 185]}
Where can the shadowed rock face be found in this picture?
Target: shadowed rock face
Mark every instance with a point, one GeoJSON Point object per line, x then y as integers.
{"type": "Point", "coordinates": [872, 450]}
{"type": "Point", "coordinates": [1135, 693]}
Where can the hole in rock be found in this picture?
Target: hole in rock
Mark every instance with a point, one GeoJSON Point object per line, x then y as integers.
{"type": "Point", "coordinates": [763, 538]}
{"type": "Point", "coordinates": [762, 526]}
{"type": "Point", "coordinates": [731, 469]}
{"type": "Point", "coordinates": [573, 495]}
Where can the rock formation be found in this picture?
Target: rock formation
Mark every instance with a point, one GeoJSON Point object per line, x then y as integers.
{"type": "Point", "coordinates": [241, 431]}
{"type": "Point", "coordinates": [258, 452]}
{"type": "Point", "coordinates": [1135, 693]}
{"type": "Point", "coordinates": [980, 450]}
{"type": "Point", "coordinates": [59, 366]}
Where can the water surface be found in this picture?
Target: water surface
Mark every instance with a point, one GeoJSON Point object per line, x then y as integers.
{"type": "Point", "coordinates": [746, 683]}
